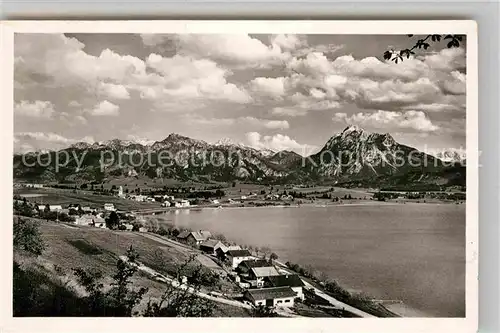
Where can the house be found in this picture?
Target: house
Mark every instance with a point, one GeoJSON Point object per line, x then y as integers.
{"type": "Point", "coordinates": [290, 280]}
{"type": "Point", "coordinates": [120, 192]}
{"type": "Point", "coordinates": [257, 275]}
{"type": "Point", "coordinates": [87, 209]}
{"type": "Point", "coordinates": [245, 266]}
{"type": "Point", "coordinates": [235, 257]}
{"type": "Point", "coordinates": [89, 219]}
{"type": "Point", "coordinates": [142, 229]}
{"type": "Point", "coordinates": [109, 207]}
{"type": "Point", "coordinates": [211, 246]}
{"type": "Point", "coordinates": [182, 203]}
{"type": "Point", "coordinates": [215, 201]}
{"type": "Point", "coordinates": [53, 208]}
{"type": "Point", "coordinates": [194, 237]}
{"type": "Point", "coordinates": [128, 226]}
{"type": "Point", "coordinates": [286, 197]}
{"type": "Point", "coordinates": [271, 297]}
{"type": "Point", "coordinates": [165, 204]}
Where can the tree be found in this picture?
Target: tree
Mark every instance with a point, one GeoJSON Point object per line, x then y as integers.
{"type": "Point", "coordinates": [234, 184]}
{"type": "Point", "coordinates": [273, 256]}
{"type": "Point", "coordinates": [266, 250]}
{"type": "Point", "coordinates": [425, 43]}
{"type": "Point", "coordinates": [263, 311]}
{"type": "Point", "coordinates": [47, 208]}
{"type": "Point", "coordinates": [112, 221]}
{"type": "Point", "coordinates": [27, 237]}
{"type": "Point", "coordinates": [83, 186]}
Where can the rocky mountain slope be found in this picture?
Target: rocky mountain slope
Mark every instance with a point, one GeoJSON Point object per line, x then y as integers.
{"type": "Point", "coordinates": [352, 156]}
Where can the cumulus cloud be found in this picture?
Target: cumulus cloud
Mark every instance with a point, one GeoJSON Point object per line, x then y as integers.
{"type": "Point", "coordinates": [115, 91]}
{"type": "Point", "coordinates": [232, 49]}
{"type": "Point", "coordinates": [271, 87]}
{"type": "Point", "coordinates": [389, 120]}
{"type": "Point", "coordinates": [186, 77]}
{"type": "Point", "coordinates": [371, 83]}
{"type": "Point", "coordinates": [105, 108]}
{"type": "Point", "coordinates": [38, 109]}
{"type": "Point", "coordinates": [277, 142]}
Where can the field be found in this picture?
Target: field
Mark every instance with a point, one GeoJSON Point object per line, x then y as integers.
{"type": "Point", "coordinates": [84, 198]}
{"type": "Point", "coordinates": [69, 247]}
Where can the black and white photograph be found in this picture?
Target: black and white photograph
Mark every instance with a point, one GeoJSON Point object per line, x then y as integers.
{"type": "Point", "coordinates": [232, 174]}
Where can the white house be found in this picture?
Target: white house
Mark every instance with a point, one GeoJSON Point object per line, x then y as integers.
{"type": "Point", "coordinates": [235, 257]}
{"type": "Point", "coordinates": [89, 219]}
{"type": "Point", "coordinates": [182, 203]}
{"type": "Point", "coordinates": [53, 208]}
{"type": "Point", "coordinates": [287, 280]}
{"type": "Point", "coordinates": [120, 191]}
{"type": "Point", "coordinates": [258, 274]}
{"type": "Point", "coordinates": [165, 204]}
{"type": "Point", "coordinates": [109, 207]}
{"type": "Point", "coordinates": [271, 297]}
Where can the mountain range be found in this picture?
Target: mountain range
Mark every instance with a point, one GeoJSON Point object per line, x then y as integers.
{"type": "Point", "coordinates": [353, 157]}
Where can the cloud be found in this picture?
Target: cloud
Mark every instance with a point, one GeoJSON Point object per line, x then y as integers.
{"type": "Point", "coordinates": [32, 141]}
{"type": "Point", "coordinates": [373, 84]}
{"type": "Point", "coordinates": [37, 109]}
{"type": "Point", "coordinates": [271, 87]}
{"type": "Point", "coordinates": [115, 91]}
{"type": "Point", "coordinates": [245, 122]}
{"type": "Point", "coordinates": [185, 77]}
{"type": "Point", "coordinates": [288, 111]}
{"type": "Point", "coordinates": [74, 104]}
{"type": "Point", "coordinates": [105, 108]}
{"type": "Point", "coordinates": [388, 120]}
{"type": "Point", "coordinates": [231, 49]}
{"type": "Point", "coordinates": [277, 142]}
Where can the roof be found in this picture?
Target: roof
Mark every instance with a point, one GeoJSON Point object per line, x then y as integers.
{"type": "Point", "coordinates": [271, 293]}
{"type": "Point", "coordinates": [264, 271]}
{"type": "Point", "coordinates": [198, 235]}
{"type": "Point", "coordinates": [239, 253]}
{"type": "Point", "coordinates": [211, 243]}
{"type": "Point", "coordinates": [292, 280]}
{"type": "Point", "coordinates": [255, 263]}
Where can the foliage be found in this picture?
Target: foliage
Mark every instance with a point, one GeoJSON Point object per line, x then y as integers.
{"type": "Point", "coordinates": [263, 311]}
{"type": "Point", "coordinates": [112, 221]}
{"type": "Point", "coordinates": [27, 237]}
{"type": "Point", "coordinates": [425, 43]}
{"type": "Point", "coordinates": [273, 256]}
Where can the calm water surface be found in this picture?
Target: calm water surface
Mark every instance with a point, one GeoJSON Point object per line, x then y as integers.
{"type": "Point", "coordinates": [413, 252]}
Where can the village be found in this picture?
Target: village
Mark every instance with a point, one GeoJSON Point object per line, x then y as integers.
{"type": "Point", "coordinates": [260, 279]}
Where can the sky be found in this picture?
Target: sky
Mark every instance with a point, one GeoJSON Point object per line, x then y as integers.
{"type": "Point", "coordinates": [275, 92]}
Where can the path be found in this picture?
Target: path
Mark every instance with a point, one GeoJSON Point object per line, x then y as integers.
{"type": "Point", "coordinates": [162, 278]}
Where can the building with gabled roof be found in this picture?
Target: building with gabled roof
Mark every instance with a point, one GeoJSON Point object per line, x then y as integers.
{"type": "Point", "coordinates": [235, 257]}
{"type": "Point", "coordinates": [271, 297]}
{"type": "Point", "coordinates": [289, 280]}
{"type": "Point", "coordinates": [194, 237]}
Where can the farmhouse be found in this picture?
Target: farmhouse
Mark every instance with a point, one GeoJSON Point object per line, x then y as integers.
{"type": "Point", "coordinates": [257, 275]}
{"type": "Point", "coordinates": [235, 257]}
{"type": "Point", "coordinates": [194, 237]}
{"type": "Point", "coordinates": [53, 208]}
{"type": "Point", "coordinates": [109, 207]}
{"type": "Point", "coordinates": [280, 296]}
{"type": "Point", "coordinates": [89, 219]}
{"type": "Point", "coordinates": [245, 266]}
{"type": "Point", "coordinates": [211, 246]}
{"type": "Point", "coordinates": [291, 280]}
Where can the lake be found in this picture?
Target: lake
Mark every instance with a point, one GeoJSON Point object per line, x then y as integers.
{"type": "Point", "coordinates": [413, 253]}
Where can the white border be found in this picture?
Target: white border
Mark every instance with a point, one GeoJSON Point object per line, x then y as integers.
{"type": "Point", "coordinates": [468, 324]}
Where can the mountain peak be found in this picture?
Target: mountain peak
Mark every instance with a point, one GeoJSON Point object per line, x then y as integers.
{"type": "Point", "coordinates": [351, 129]}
